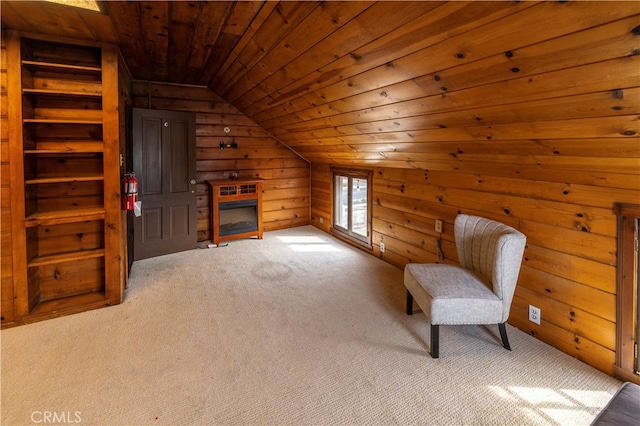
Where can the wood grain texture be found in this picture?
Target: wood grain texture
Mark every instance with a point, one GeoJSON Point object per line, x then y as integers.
{"type": "Point", "coordinates": [525, 112]}
{"type": "Point", "coordinates": [6, 253]}
{"type": "Point", "coordinates": [16, 164]}
{"type": "Point", "coordinates": [259, 155]}
{"type": "Point", "coordinates": [569, 264]}
{"type": "Point", "coordinates": [114, 259]}
{"type": "Point", "coordinates": [63, 140]}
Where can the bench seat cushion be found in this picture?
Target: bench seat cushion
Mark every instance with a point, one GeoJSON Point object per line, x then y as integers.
{"type": "Point", "coordinates": [465, 299]}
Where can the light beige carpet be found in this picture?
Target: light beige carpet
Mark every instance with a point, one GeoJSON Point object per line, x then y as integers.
{"type": "Point", "coordinates": [294, 329]}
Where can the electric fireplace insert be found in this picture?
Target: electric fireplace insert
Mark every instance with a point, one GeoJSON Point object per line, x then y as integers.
{"type": "Point", "coordinates": [236, 207]}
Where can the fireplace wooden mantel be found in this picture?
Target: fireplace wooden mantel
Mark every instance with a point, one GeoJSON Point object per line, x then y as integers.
{"type": "Point", "coordinates": [236, 206]}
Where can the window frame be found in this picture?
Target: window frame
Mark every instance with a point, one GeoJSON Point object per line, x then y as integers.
{"type": "Point", "coordinates": [627, 309]}
{"type": "Point", "coordinates": [339, 231]}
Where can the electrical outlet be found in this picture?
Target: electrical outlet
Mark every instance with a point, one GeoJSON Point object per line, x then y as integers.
{"type": "Point", "coordinates": [439, 226]}
{"type": "Point", "coordinates": [534, 314]}
{"type": "Point", "coordinates": [321, 220]}
{"type": "Point", "coordinates": [381, 246]}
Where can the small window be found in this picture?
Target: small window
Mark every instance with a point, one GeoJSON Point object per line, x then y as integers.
{"type": "Point", "coordinates": [351, 205]}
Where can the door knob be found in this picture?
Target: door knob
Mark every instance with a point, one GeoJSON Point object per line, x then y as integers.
{"type": "Point", "coordinates": [192, 181]}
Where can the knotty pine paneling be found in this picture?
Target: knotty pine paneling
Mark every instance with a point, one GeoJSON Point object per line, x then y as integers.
{"type": "Point", "coordinates": [286, 186]}
{"type": "Point", "coordinates": [426, 71]}
{"type": "Point", "coordinates": [50, 18]}
{"type": "Point", "coordinates": [527, 102]}
{"type": "Point", "coordinates": [180, 42]}
{"type": "Point", "coordinates": [569, 266]}
{"type": "Point", "coordinates": [375, 38]}
{"type": "Point", "coordinates": [526, 112]}
{"type": "Point", "coordinates": [6, 258]}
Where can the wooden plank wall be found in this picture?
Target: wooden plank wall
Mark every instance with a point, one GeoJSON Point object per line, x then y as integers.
{"type": "Point", "coordinates": [6, 259]}
{"type": "Point", "coordinates": [569, 267]}
{"type": "Point", "coordinates": [540, 131]}
{"type": "Point", "coordinates": [552, 165]}
{"type": "Point", "coordinates": [286, 186]}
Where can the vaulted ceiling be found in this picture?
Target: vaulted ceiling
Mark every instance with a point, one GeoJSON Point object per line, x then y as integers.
{"type": "Point", "coordinates": [394, 83]}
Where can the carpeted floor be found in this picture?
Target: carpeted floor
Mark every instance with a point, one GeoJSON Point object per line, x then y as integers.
{"type": "Point", "coordinates": [294, 329]}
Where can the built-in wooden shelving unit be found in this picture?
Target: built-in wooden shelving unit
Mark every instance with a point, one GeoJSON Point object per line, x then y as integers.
{"type": "Point", "coordinates": [64, 152]}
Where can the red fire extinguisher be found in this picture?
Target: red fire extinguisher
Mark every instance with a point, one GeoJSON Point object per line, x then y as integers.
{"type": "Point", "coordinates": [129, 191]}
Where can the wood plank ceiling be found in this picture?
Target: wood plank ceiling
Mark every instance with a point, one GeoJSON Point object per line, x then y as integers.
{"type": "Point", "coordinates": [398, 84]}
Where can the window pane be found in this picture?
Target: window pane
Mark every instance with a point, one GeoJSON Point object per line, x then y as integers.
{"type": "Point", "coordinates": [359, 206]}
{"type": "Point", "coordinates": [351, 205]}
{"type": "Point", "coordinates": [341, 205]}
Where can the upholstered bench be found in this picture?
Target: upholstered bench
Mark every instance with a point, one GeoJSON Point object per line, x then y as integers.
{"type": "Point", "coordinates": [480, 290]}
{"type": "Point", "coordinates": [622, 409]}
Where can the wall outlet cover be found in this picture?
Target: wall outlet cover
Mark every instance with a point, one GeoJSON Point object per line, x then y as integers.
{"type": "Point", "coordinates": [534, 314]}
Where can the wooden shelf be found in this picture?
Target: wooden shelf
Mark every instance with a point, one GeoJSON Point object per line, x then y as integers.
{"type": "Point", "coordinates": [66, 93]}
{"type": "Point", "coordinates": [64, 179]}
{"type": "Point", "coordinates": [93, 150]}
{"type": "Point", "coordinates": [67, 147]}
{"type": "Point", "coordinates": [59, 121]}
{"type": "Point", "coordinates": [64, 216]}
{"type": "Point", "coordinates": [58, 67]}
{"type": "Point", "coordinates": [76, 303]}
{"type": "Point", "coordinates": [66, 257]}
